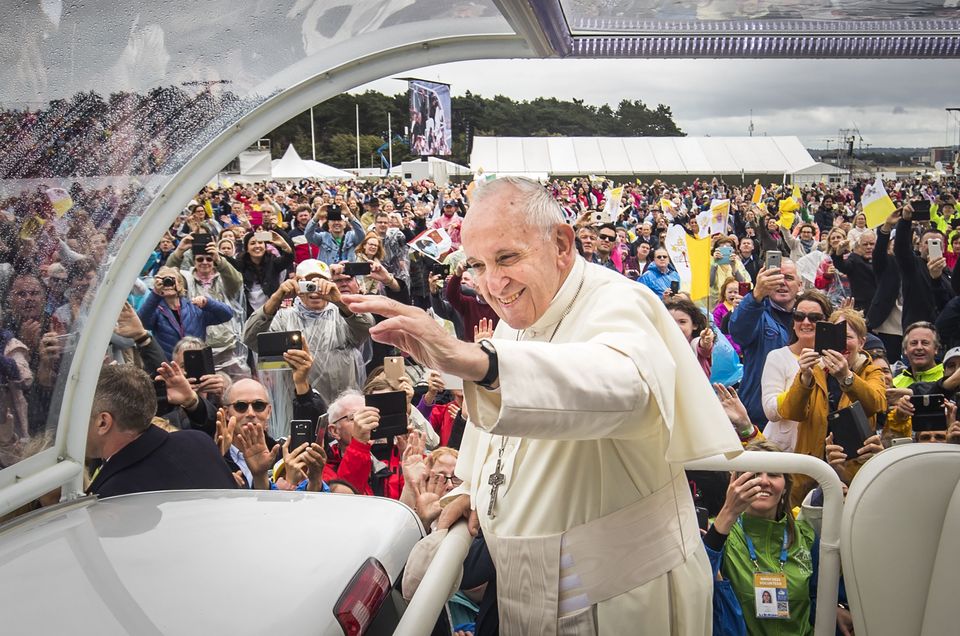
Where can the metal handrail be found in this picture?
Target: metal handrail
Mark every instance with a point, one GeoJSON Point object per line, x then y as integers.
{"type": "Point", "coordinates": [434, 590]}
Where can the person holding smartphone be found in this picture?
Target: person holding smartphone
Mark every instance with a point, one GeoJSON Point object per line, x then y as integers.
{"type": "Point", "coordinates": [659, 277]}
{"type": "Point", "coordinates": [827, 382]}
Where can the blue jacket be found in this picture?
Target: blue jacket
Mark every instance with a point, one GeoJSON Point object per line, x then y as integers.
{"type": "Point", "coordinates": [159, 319]}
{"type": "Point", "coordinates": [758, 328]}
{"type": "Point", "coordinates": [330, 251]}
{"type": "Point", "coordinates": [657, 282]}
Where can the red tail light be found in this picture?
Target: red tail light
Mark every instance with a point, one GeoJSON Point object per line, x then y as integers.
{"type": "Point", "coordinates": [362, 598]}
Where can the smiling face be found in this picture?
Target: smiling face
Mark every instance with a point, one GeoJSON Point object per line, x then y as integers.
{"type": "Point", "coordinates": [256, 248]}
{"type": "Point", "coordinates": [765, 505]}
{"type": "Point", "coordinates": [786, 293]}
{"type": "Point", "coordinates": [920, 346]}
{"type": "Point", "coordinates": [517, 272]}
{"type": "Point", "coordinates": [806, 330]}
{"type": "Point", "coordinates": [684, 322]}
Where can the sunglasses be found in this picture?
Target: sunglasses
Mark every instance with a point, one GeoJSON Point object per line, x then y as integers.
{"type": "Point", "coordinates": [659, 256]}
{"type": "Point", "coordinates": [814, 317]}
{"type": "Point", "coordinates": [259, 406]}
{"type": "Point", "coordinates": [607, 237]}
{"type": "Point", "coordinates": [203, 259]}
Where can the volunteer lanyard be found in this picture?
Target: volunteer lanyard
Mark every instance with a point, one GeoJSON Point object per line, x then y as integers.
{"type": "Point", "coordinates": [753, 551]}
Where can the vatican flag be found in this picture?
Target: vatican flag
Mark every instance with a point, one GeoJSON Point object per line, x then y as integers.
{"type": "Point", "coordinates": [758, 193]}
{"type": "Point", "coordinates": [877, 204]}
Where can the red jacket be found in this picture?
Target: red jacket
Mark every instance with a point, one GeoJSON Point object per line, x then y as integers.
{"type": "Point", "coordinates": [353, 467]}
{"type": "Point", "coordinates": [469, 307]}
{"type": "Point", "coordinates": [442, 422]}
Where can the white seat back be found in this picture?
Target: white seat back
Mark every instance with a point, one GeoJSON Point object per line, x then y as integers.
{"type": "Point", "coordinates": [900, 542]}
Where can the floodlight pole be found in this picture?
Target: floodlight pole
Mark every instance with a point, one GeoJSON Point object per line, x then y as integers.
{"type": "Point", "coordinates": [358, 135]}
{"type": "Point", "coordinates": [313, 139]}
{"type": "Point", "coordinates": [389, 145]}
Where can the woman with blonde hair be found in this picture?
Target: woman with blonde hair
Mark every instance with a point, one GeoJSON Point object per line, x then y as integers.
{"type": "Point", "coordinates": [830, 381]}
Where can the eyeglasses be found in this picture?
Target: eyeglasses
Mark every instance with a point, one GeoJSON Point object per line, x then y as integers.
{"type": "Point", "coordinates": [456, 481]}
{"type": "Point", "coordinates": [607, 237]}
{"type": "Point", "coordinates": [203, 259]}
{"type": "Point", "coordinates": [259, 406]}
{"type": "Point", "coordinates": [659, 256]}
{"type": "Point", "coordinates": [799, 316]}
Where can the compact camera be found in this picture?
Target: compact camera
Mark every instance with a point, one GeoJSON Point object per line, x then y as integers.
{"type": "Point", "coordinates": [308, 286]}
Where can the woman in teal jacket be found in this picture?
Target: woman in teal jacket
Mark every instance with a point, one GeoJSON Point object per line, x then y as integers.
{"type": "Point", "coordinates": [755, 532]}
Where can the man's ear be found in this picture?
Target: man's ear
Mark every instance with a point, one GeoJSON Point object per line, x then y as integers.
{"type": "Point", "coordinates": [565, 239]}
{"type": "Point", "coordinates": [104, 424]}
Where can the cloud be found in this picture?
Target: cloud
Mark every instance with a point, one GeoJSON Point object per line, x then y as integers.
{"type": "Point", "coordinates": [809, 98]}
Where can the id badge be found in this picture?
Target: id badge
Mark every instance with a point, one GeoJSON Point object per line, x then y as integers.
{"type": "Point", "coordinates": [770, 593]}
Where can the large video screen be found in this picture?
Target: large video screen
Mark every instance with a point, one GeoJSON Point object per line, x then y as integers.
{"type": "Point", "coordinates": [430, 124]}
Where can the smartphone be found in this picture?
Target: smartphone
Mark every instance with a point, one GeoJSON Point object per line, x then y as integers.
{"type": "Point", "coordinates": [301, 433]}
{"type": "Point", "coordinates": [356, 269]}
{"type": "Point", "coordinates": [393, 369]}
{"type": "Point", "coordinates": [299, 240]}
{"type": "Point", "coordinates": [831, 336]}
{"type": "Point", "coordinates": [703, 518]}
{"type": "Point", "coordinates": [198, 363]}
{"type": "Point", "coordinates": [921, 210]}
{"type": "Point", "coordinates": [934, 249]}
{"type": "Point", "coordinates": [929, 413]}
{"type": "Point", "coordinates": [725, 253]}
{"type": "Point", "coordinates": [334, 213]}
{"type": "Point", "coordinates": [774, 258]}
{"type": "Point", "coordinates": [850, 428]}
{"type": "Point", "coordinates": [264, 236]}
{"type": "Point", "coordinates": [393, 413]}
{"type": "Point", "coordinates": [743, 288]}
{"type": "Point", "coordinates": [897, 441]}
{"type": "Point", "coordinates": [674, 286]}
{"type": "Point", "coordinates": [271, 346]}
{"type": "Point", "coordinates": [160, 389]}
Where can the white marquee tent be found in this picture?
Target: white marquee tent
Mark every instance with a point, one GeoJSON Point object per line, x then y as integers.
{"type": "Point", "coordinates": [696, 156]}
{"type": "Point", "coordinates": [291, 166]}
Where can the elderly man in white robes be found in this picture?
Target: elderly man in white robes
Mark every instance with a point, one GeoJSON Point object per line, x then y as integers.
{"type": "Point", "coordinates": [583, 408]}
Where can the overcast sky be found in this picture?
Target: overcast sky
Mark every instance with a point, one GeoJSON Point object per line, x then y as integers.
{"type": "Point", "coordinates": [892, 102]}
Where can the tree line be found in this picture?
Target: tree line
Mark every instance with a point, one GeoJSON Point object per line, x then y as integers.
{"type": "Point", "coordinates": [335, 124]}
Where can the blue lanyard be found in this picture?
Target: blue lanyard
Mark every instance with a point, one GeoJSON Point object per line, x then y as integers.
{"type": "Point", "coordinates": [753, 551]}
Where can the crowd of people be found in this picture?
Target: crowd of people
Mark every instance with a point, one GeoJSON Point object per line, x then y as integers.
{"type": "Point", "coordinates": [244, 262]}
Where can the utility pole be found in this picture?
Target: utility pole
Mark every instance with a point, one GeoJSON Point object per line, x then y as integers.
{"type": "Point", "coordinates": [389, 144]}
{"type": "Point", "coordinates": [313, 139]}
{"type": "Point", "coordinates": [358, 135]}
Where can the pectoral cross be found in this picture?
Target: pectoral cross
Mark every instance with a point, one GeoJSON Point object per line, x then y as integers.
{"type": "Point", "coordinates": [496, 480]}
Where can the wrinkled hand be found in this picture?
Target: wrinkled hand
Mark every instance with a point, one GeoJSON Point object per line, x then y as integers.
{"type": "Point", "coordinates": [905, 407]}
{"type": "Point", "coordinates": [483, 330]}
{"type": "Point", "coordinates": [301, 361]}
{"type": "Point", "coordinates": [288, 288]}
{"type": "Point", "coordinates": [413, 331]}
{"type": "Point", "coordinates": [365, 421]}
{"type": "Point", "coordinates": [329, 291]}
{"type": "Point", "coordinates": [459, 509]}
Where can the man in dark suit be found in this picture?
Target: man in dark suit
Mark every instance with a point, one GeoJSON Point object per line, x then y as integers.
{"type": "Point", "coordinates": [138, 456]}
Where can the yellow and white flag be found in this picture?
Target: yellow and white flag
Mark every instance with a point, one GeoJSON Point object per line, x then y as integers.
{"type": "Point", "coordinates": [691, 258]}
{"type": "Point", "coordinates": [877, 204]}
{"type": "Point", "coordinates": [796, 194]}
{"type": "Point", "coordinates": [60, 200]}
{"type": "Point", "coordinates": [758, 193]}
{"type": "Point", "coordinates": [668, 208]}
{"type": "Point", "coordinates": [611, 205]}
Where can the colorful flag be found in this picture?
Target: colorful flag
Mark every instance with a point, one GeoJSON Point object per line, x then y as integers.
{"type": "Point", "coordinates": [691, 258]}
{"type": "Point", "coordinates": [758, 193]}
{"type": "Point", "coordinates": [877, 204]}
{"type": "Point", "coordinates": [719, 213]}
{"type": "Point", "coordinates": [796, 193]}
{"type": "Point", "coordinates": [788, 212]}
{"type": "Point", "coordinates": [60, 200]}
{"type": "Point", "coordinates": [668, 208]}
{"type": "Point", "coordinates": [611, 205]}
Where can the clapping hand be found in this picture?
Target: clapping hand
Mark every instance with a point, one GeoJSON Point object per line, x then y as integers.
{"type": "Point", "coordinates": [250, 440]}
{"type": "Point", "coordinates": [225, 431]}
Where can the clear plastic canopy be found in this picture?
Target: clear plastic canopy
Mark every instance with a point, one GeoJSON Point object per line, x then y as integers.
{"type": "Point", "coordinates": [114, 114]}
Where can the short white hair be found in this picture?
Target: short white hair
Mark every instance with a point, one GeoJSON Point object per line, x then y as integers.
{"type": "Point", "coordinates": [866, 234]}
{"type": "Point", "coordinates": [543, 211]}
{"type": "Point", "coordinates": [336, 409]}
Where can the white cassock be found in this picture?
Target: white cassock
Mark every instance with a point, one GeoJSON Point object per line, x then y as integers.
{"type": "Point", "coordinates": [600, 403]}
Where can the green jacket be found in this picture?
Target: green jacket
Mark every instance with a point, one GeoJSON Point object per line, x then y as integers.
{"type": "Point", "coordinates": [906, 378]}
{"type": "Point", "coordinates": [739, 570]}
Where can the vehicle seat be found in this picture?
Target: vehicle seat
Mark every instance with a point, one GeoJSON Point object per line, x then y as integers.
{"type": "Point", "coordinates": [899, 542]}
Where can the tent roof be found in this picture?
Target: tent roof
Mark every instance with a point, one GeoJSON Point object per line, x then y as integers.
{"type": "Point", "coordinates": [291, 166]}
{"type": "Point", "coordinates": [640, 155]}
{"type": "Point", "coordinates": [820, 168]}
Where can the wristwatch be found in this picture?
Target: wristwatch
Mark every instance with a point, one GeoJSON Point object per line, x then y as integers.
{"type": "Point", "coordinates": [493, 370]}
{"type": "Point", "coordinates": [847, 382]}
